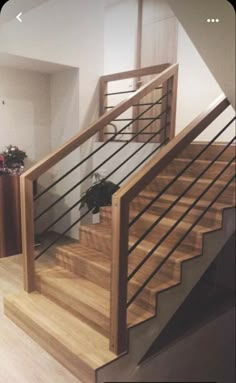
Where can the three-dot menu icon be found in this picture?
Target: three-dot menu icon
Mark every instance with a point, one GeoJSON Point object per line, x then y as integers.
{"type": "Point", "coordinates": [213, 20]}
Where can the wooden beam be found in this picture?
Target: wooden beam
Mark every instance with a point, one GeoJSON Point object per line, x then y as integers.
{"type": "Point", "coordinates": [27, 228]}
{"type": "Point", "coordinates": [137, 72]}
{"type": "Point", "coordinates": [119, 270]}
{"type": "Point", "coordinates": [52, 159]}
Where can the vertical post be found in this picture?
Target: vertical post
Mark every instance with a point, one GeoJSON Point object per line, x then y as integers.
{"type": "Point", "coordinates": [102, 104]}
{"type": "Point", "coordinates": [138, 80]}
{"type": "Point", "coordinates": [119, 271]}
{"type": "Point", "coordinates": [172, 101]}
{"type": "Point", "coordinates": [2, 214]}
{"type": "Point", "coordinates": [27, 228]}
{"type": "Point", "coordinates": [164, 108]}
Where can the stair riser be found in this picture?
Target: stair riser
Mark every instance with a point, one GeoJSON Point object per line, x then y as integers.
{"type": "Point", "coordinates": [159, 231]}
{"type": "Point", "coordinates": [158, 209]}
{"type": "Point", "coordinates": [181, 185]}
{"type": "Point", "coordinates": [82, 267]}
{"type": "Point", "coordinates": [102, 277]}
{"type": "Point", "coordinates": [210, 153]}
{"type": "Point", "coordinates": [195, 169]}
{"type": "Point", "coordinates": [177, 211]}
{"type": "Point", "coordinates": [50, 343]}
{"type": "Point", "coordinates": [193, 238]}
{"type": "Point", "coordinates": [74, 306]}
{"type": "Point", "coordinates": [147, 299]}
{"type": "Point", "coordinates": [104, 244]}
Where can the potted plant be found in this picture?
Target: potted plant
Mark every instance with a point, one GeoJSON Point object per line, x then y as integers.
{"type": "Point", "coordinates": [99, 194]}
{"type": "Point", "coordinates": [12, 160]}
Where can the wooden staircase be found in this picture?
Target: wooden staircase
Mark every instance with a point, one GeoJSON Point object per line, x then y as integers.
{"type": "Point", "coordinates": [69, 314]}
{"type": "Point", "coordinates": [105, 298]}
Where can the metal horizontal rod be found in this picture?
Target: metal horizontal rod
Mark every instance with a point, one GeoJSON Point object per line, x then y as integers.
{"type": "Point", "coordinates": [130, 156]}
{"type": "Point", "coordinates": [91, 154]}
{"type": "Point", "coordinates": [178, 243]}
{"type": "Point", "coordinates": [126, 133]}
{"type": "Point", "coordinates": [62, 234]}
{"type": "Point", "coordinates": [178, 175]}
{"type": "Point", "coordinates": [122, 92]}
{"type": "Point", "coordinates": [178, 199]}
{"type": "Point", "coordinates": [127, 91]}
{"type": "Point", "coordinates": [80, 200]}
{"type": "Point", "coordinates": [178, 221]}
{"type": "Point", "coordinates": [72, 207]}
{"type": "Point", "coordinates": [131, 119]}
{"type": "Point", "coordinates": [145, 159]}
{"type": "Point", "coordinates": [92, 172]}
{"type": "Point", "coordinates": [141, 104]}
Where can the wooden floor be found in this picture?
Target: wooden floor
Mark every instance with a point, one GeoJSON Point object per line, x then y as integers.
{"type": "Point", "coordinates": [21, 359]}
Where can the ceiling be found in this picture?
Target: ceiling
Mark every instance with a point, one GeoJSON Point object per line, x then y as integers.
{"type": "Point", "coordinates": [13, 7]}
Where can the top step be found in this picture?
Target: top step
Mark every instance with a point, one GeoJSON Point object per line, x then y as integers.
{"type": "Point", "coordinates": [210, 153]}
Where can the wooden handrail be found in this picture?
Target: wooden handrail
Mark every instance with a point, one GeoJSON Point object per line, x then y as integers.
{"type": "Point", "coordinates": [168, 79]}
{"type": "Point", "coordinates": [135, 73]}
{"type": "Point", "coordinates": [170, 151]}
{"type": "Point", "coordinates": [52, 159]}
{"type": "Point", "coordinates": [120, 207]}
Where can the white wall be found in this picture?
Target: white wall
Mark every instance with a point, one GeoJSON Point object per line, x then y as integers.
{"type": "Point", "coordinates": [64, 97]}
{"type": "Point", "coordinates": [120, 32]}
{"type": "Point", "coordinates": [63, 32]}
{"type": "Point", "coordinates": [68, 33]}
{"type": "Point", "coordinates": [25, 116]}
{"type": "Point", "coordinates": [197, 89]}
{"type": "Point", "coordinates": [214, 41]}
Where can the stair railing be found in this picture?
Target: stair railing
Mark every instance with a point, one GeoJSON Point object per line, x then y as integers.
{"type": "Point", "coordinates": [121, 298]}
{"type": "Point", "coordinates": [114, 87]}
{"type": "Point", "coordinates": [165, 129]}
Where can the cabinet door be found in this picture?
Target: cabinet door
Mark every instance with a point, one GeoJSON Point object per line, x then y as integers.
{"type": "Point", "coordinates": [2, 232]}
{"type": "Point", "coordinates": [10, 225]}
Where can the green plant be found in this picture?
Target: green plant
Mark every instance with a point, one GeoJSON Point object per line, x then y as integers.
{"type": "Point", "coordinates": [98, 195]}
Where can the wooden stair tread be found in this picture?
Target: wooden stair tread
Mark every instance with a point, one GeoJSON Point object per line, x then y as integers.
{"type": "Point", "coordinates": [76, 336]}
{"type": "Point", "coordinates": [169, 222]}
{"type": "Point", "coordinates": [200, 161]}
{"type": "Point", "coordinates": [105, 231]}
{"type": "Point", "coordinates": [76, 250]}
{"type": "Point", "coordinates": [177, 257]}
{"type": "Point", "coordinates": [202, 180]}
{"type": "Point", "coordinates": [186, 200]}
{"type": "Point", "coordinates": [83, 291]}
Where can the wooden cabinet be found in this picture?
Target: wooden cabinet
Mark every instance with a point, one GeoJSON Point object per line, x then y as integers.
{"type": "Point", "coordinates": [10, 225]}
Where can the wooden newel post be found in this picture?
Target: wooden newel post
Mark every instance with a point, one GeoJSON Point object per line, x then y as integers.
{"type": "Point", "coordinates": [172, 102]}
{"type": "Point", "coordinates": [119, 270]}
{"type": "Point", "coordinates": [27, 228]}
{"type": "Point", "coordinates": [102, 105]}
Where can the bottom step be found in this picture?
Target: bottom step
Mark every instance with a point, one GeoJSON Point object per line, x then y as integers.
{"type": "Point", "coordinates": [81, 349]}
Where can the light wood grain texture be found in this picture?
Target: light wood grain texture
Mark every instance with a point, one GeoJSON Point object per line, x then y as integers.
{"type": "Point", "coordinates": [136, 72]}
{"type": "Point", "coordinates": [42, 166]}
{"type": "Point", "coordinates": [118, 315]}
{"type": "Point", "coordinates": [27, 224]}
{"type": "Point", "coordinates": [171, 150]}
{"type": "Point", "coordinates": [165, 116]}
{"type": "Point", "coordinates": [102, 104]}
{"type": "Point", "coordinates": [22, 359]}
{"type": "Point", "coordinates": [172, 103]}
{"type": "Point", "coordinates": [212, 151]}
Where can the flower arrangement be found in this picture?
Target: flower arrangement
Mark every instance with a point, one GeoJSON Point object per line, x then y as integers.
{"type": "Point", "coordinates": [12, 160]}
